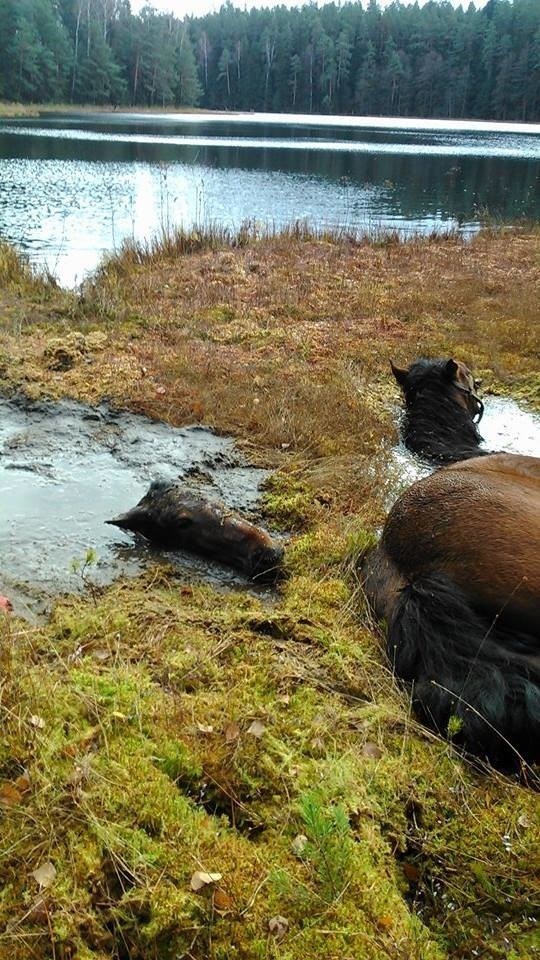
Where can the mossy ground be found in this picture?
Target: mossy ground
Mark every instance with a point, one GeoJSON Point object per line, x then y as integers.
{"type": "Point", "coordinates": [161, 728]}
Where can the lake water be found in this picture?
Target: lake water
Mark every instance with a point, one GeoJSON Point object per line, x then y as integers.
{"type": "Point", "coordinates": [73, 186]}
{"type": "Point", "coordinates": [504, 426]}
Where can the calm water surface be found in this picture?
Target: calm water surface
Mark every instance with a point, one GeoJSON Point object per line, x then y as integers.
{"type": "Point", "coordinates": [74, 186]}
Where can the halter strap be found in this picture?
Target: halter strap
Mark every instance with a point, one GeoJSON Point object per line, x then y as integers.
{"type": "Point", "coordinates": [470, 393]}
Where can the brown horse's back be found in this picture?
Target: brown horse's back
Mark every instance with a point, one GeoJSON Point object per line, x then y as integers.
{"type": "Point", "coordinates": [479, 521]}
{"type": "Point", "coordinates": [509, 465]}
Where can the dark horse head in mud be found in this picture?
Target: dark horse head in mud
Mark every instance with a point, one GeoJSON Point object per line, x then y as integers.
{"type": "Point", "coordinates": [456, 575]}
{"type": "Point", "coordinates": [176, 519]}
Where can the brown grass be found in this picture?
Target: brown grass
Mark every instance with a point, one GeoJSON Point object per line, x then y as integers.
{"type": "Point", "coordinates": [284, 341]}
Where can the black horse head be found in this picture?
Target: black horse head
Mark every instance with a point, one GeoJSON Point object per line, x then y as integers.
{"type": "Point", "coordinates": [442, 410]}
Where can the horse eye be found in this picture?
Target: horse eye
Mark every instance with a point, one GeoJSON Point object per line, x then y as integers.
{"type": "Point", "coordinates": [477, 383]}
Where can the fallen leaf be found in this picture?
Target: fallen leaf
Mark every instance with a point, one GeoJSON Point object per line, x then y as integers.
{"type": "Point", "coordinates": [232, 732]}
{"type": "Point", "coordinates": [205, 728]}
{"type": "Point", "coordinates": [256, 729]}
{"type": "Point", "coordinates": [38, 912]}
{"type": "Point", "coordinates": [101, 654]}
{"type": "Point", "coordinates": [161, 391]}
{"type": "Point", "coordinates": [524, 821]}
{"type": "Point", "coordinates": [222, 901]}
{"type": "Point", "coordinates": [385, 922]}
{"type": "Point", "coordinates": [37, 722]}
{"type": "Point", "coordinates": [44, 875]}
{"type": "Point", "coordinates": [412, 872]}
{"type": "Point", "coordinates": [202, 879]}
{"type": "Point", "coordinates": [6, 605]}
{"type": "Point", "coordinates": [372, 751]}
{"type": "Point", "coordinates": [278, 926]}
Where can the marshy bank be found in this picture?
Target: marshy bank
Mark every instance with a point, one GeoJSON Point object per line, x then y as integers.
{"type": "Point", "coordinates": [157, 729]}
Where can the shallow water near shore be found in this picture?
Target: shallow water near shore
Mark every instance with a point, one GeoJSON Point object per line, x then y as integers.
{"type": "Point", "coordinates": [66, 468]}
{"type": "Point", "coordinates": [75, 186]}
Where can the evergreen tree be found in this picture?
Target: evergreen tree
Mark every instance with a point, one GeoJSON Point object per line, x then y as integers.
{"type": "Point", "coordinates": [188, 88]}
{"type": "Point", "coordinates": [366, 82]}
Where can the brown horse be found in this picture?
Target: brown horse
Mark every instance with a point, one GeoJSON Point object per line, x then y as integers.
{"type": "Point", "coordinates": [456, 576]}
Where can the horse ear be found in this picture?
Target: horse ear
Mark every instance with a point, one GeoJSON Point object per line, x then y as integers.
{"type": "Point", "coordinates": [400, 375]}
{"type": "Point", "coordinates": [451, 369]}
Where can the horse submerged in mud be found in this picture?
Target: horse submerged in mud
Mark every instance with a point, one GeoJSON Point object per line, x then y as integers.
{"type": "Point", "coordinates": [175, 519]}
{"type": "Point", "coordinates": [456, 574]}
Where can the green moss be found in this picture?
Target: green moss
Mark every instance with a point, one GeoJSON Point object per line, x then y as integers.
{"type": "Point", "coordinates": [177, 762]}
{"type": "Point", "coordinates": [288, 501]}
{"type": "Point", "coordinates": [213, 733]}
{"type": "Point", "coordinates": [221, 313]}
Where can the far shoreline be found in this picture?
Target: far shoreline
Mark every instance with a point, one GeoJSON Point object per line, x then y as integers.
{"type": "Point", "coordinates": [34, 111]}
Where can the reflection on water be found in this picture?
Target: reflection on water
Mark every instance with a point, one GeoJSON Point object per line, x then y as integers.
{"type": "Point", "coordinates": [72, 187]}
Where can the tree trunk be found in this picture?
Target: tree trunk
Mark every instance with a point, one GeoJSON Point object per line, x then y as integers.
{"type": "Point", "coordinates": [76, 53]}
{"type": "Point", "coordinates": [136, 77]}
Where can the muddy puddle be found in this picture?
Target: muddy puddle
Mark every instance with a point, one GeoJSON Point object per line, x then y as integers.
{"type": "Point", "coordinates": [66, 468]}
{"type": "Point", "coordinates": [505, 426]}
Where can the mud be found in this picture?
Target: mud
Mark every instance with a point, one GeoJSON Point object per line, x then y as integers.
{"type": "Point", "coordinates": [66, 468]}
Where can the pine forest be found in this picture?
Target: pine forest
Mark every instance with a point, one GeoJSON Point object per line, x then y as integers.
{"type": "Point", "coordinates": [403, 60]}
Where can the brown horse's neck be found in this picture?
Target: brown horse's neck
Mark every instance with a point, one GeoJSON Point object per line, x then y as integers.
{"type": "Point", "coordinates": [439, 429]}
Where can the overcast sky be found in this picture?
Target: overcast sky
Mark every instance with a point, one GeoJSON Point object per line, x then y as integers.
{"type": "Point", "coordinates": [200, 7]}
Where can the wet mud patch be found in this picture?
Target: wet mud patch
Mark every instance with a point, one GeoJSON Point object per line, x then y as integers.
{"type": "Point", "coordinates": [66, 468]}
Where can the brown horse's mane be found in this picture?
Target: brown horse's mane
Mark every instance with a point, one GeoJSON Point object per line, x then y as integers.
{"type": "Point", "coordinates": [434, 425]}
